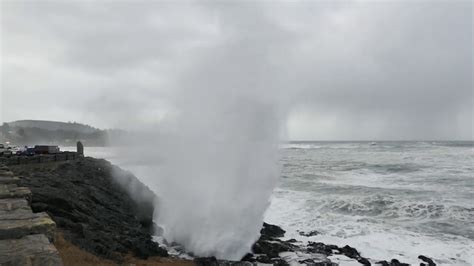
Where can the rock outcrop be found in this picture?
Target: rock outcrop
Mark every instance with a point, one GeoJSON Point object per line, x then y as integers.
{"type": "Point", "coordinates": [92, 208]}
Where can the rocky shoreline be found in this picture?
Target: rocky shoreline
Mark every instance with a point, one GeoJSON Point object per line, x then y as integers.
{"type": "Point", "coordinates": [108, 212]}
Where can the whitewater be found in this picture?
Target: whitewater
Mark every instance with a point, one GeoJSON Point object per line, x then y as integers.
{"type": "Point", "coordinates": [387, 199]}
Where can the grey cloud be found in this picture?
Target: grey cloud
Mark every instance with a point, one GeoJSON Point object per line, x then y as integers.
{"type": "Point", "coordinates": [409, 63]}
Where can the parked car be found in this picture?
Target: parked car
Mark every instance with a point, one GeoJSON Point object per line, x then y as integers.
{"type": "Point", "coordinates": [26, 151]}
{"type": "Point", "coordinates": [29, 152]}
{"type": "Point", "coordinates": [5, 151]}
{"type": "Point", "coordinates": [46, 149]}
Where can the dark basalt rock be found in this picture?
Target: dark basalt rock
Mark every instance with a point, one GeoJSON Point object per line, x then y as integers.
{"type": "Point", "coordinates": [310, 262]}
{"type": "Point", "coordinates": [308, 234]}
{"type": "Point", "coordinates": [429, 261]}
{"type": "Point", "coordinates": [321, 248]}
{"type": "Point", "coordinates": [393, 262]}
{"type": "Point", "coordinates": [271, 231]}
{"type": "Point", "coordinates": [268, 246]}
{"type": "Point", "coordinates": [354, 254]}
{"type": "Point", "coordinates": [88, 201]}
{"type": "Point", "coordinates": [271, 248]}
{"type": "Point", "coordinates": [206, 261]}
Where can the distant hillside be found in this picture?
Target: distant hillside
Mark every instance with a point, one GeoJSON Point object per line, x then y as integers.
{"type": "Point", "coordinates": [34, 132]}
{"type": "Point", "coordinates": [53, 125]}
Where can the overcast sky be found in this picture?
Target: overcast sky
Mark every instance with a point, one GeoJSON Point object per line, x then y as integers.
{"type": "Point", "coordinates": [339, 70]}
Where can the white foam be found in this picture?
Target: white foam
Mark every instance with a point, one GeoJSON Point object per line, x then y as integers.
{"type": "Point", "coordinates": [376, 241]}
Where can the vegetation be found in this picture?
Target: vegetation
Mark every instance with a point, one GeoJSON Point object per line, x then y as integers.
{"type": "Point", "coordinates": [33, 132]}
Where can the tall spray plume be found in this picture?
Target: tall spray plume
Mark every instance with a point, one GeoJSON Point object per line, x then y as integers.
{"type": "Point", "coordinates": [216, 165]}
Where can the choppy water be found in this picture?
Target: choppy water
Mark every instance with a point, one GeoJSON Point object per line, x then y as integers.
{"type": "Point", "coordinates": [389, 200]}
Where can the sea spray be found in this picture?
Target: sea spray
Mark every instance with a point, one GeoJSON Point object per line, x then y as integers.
{"type": "Point", "coordinates": [219, 175]}
{"type": "Point", "coordinates": [221, 161]}
{"type": "Point", "coordinates": [213, 160]}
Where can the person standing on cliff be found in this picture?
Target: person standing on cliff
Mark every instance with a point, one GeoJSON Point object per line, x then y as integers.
{"type": "Point", "coordinates": [80, 149]}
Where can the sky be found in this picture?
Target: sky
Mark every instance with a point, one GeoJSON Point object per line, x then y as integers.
{"type": "Point", "coordinates": [339, 70]}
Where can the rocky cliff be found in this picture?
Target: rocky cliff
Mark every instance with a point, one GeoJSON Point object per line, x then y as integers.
{"type": "Point", "coordinates": [93, 208]}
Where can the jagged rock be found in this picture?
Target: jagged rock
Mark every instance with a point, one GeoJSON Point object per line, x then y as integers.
{"type": "Point", "coordinates": [34, 250]}
{"type": "Point", "coordinates": [427, 260]}
{"type": "Point", "coordinates": [310, 233]}
{"type": "Point", "coordinates": [271, 231]}
{"type": "Point", "coordinates": [321, 248]}
{"type": "Point", "coordinates": [393, 262]}
{"type": "Point", "coordinates": [354, 254]}
{"type": "Point", "coordinates": [311, 262]}
{"type": "Point", "coordinates": [18, 223]}
{"type": "Point", "coordinates": [270, 248]}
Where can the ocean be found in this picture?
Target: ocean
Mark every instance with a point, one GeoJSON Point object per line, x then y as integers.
{"type": "Point", "coordinates": [387, 199]}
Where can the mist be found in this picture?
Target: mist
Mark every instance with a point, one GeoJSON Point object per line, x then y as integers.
{"type": "Point", "coordinates": [219, 161]}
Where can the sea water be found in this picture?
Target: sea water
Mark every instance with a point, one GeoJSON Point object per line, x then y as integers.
{"type": "Point", "coordinates": [387, 199]}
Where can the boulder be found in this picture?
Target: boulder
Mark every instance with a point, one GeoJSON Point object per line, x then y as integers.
{"type": "Point", "coordinates": [271, 231]}
{"type": "Point", "coordinates": [429, 261]}
{"type": "Point", "coordinates": [310, 233]}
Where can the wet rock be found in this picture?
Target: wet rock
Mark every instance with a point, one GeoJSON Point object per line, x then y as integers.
{"type": "Point", "coordinates": [272, 249]}
{"type": "Point", "coordinates": [308, 234]}
{"type": "Point", "coordinates": [271, 231]}
{"type": "Point", "coordinates": [354, 254]}
{"type": "Point", "coordinates": [321, 248]}
{"type": "Point", "coordinates": [311, 262]}
{"type": "Point", "coordinates": [429, 261]}
{"type": "Point", "coordinates": [393, 262]}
